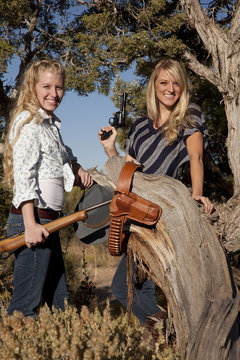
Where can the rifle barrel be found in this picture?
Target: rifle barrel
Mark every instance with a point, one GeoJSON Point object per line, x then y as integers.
{"type": "Point", "coordinates": [17, 241]}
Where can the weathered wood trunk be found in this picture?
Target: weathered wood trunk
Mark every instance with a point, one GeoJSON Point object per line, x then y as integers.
{"type": "Point", "coordinates": [187, 261]}
{"type": "Point", "coordinates": [228, 224]}
{"type": "Point", "coordinates": [232, 109]}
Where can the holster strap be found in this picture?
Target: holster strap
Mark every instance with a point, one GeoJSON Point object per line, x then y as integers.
{"type": "Point", "coordinates": [127, 205]}
{"type": "Point", "coordinates": [125, 177]}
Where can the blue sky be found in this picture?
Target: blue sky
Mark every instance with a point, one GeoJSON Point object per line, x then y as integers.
{"type": "Point", "coordinates": [82, 118]}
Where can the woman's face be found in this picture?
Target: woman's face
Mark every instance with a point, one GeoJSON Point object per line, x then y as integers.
{"type": "Point", "coordinates": [49, 90]}
{"type": "Point", "coordinates": [167, 90]}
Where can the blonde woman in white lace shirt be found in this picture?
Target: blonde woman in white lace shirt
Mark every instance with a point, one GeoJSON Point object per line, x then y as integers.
{"type": "Point", "coordinates": [39, 167]}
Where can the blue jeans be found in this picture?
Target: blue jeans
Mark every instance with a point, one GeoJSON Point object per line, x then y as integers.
{"type": "Point", "coordinates": [144, 301]}
{"type": "Point", "coordinates": [39, 273]}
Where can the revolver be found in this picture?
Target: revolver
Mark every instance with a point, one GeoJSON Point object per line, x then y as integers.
{"type": "Point", "coordinates": [119, 118]}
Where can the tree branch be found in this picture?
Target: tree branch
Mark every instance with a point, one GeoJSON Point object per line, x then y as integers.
{"type": "Point", "coordinates": [213, 38]}
{"type": "Point", "coordinates": [223, 47]}
{"type": "Point", "coordinates": [4, 101]}
{"type": "Point", "coordinates": [234, 30]}
{"type": "Point", "coordinates": [31, 23]}
{"type": "Point", "coordinates": [205, 72]}
{"type": "Point", "coordinates": [198, 20]}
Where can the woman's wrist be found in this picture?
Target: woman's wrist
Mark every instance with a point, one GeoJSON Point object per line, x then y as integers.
{"type": "Point", "coordinates": [196, 195]}
{"type": "Point", "coordinates": [111, 152]}
{"type": "Point", "coordinates": [75, 167]}
{"type": "Point", "coordinates": [27, 208]}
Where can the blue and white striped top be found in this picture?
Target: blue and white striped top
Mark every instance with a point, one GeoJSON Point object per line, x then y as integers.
{"type": "Point", "coordinates": [151, 149]}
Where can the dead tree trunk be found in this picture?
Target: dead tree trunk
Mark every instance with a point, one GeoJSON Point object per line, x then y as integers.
{"type": "Point", "coordinates": [187, 261]}
{"type": "Point", "coordinates": [223, 48]}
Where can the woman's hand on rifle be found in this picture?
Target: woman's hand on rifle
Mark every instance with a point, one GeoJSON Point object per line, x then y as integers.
{"type": "Point", "coordinates": [34, 233]}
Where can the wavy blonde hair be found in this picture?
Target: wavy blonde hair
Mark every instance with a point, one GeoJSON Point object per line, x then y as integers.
{"type": "Point", "coordinates": [27, 100]}
{"type": "Point", "coordinates": [175, 120]}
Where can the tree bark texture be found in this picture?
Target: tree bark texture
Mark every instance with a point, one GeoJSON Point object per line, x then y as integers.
{"type": "Point", "coordinates": [228, 225]}
{"type": "Point", "coordinates": [232, 109]}
{"type": "Point", "coordinates": [224, 72]}
{"type": "Point", "coordinates": [186, 260]}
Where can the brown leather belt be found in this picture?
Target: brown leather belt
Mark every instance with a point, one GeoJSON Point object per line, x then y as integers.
{"type": "Point", "coordinates": [42, 213]}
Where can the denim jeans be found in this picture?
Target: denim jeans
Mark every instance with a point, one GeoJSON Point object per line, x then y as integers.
{"type": "Point", "coordinates": [144, 301]}
{"type": "Point", "coordinates": [39, 273]}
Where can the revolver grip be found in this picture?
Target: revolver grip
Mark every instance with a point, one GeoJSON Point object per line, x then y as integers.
{"type": "Point", "coordinates": [106, 134]}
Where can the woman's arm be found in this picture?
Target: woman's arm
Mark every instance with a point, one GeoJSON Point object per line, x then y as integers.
{"type": "Point", "coordinates": [109, 144]}
{"type": "Point", "coordinates": [26, 155]}
{"type": "Point", "coordinates": [82, 177]}
{"type": "Point", "coordinates": [195, 152]}
{"type": "Point", "coordinates": [130, 158]}
{"type": "Point", "coordinates": [34, 233]}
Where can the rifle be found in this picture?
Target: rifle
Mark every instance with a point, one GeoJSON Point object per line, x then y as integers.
{"type": "Point", "coordinates": [119, 119]}
{"type": "Point", "coordinates": [18, 240]}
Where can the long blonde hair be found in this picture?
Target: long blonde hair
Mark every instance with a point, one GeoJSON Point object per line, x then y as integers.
{"type": "Point", "coordinates": [27, 100]}
{"type": "Point", "coordinates": [175, 120]}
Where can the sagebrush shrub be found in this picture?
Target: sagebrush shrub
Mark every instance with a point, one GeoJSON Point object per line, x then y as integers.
{"type": "Point", "coordinates": [71, 335]}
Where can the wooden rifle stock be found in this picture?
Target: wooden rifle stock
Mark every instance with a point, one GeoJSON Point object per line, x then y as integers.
{"type": "Point", "coordinates": [17, 241]}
